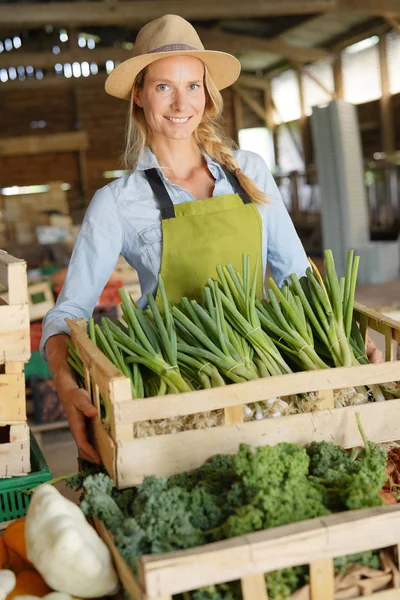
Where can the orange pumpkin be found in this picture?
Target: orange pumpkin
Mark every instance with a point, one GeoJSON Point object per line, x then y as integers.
{"type": "Point", "coordinates": [3, 553]}
{"type": "Point", "coordinates": [29, 582]}
{"type": "Point", "coordinates": [16, 563]}
{"type": "Point", "coordinates": [14, 538]}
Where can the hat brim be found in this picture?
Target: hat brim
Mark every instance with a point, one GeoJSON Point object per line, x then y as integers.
{"type": "Point", "coordinates": [224, 69]}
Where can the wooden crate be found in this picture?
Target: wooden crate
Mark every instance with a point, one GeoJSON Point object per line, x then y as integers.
{"type": "Point", "coordinates": [14, 314]}
{"type": "Point", "coordinates": [12, 393]}
{"type": "Point", "coordinates": [315, 542]}
{"type": "Point", "coordinates": [14, 449]}
{"type": "Point", "coordinates": [128, 460]}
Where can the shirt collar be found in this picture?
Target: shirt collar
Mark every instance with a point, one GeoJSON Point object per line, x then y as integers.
{"type": "Point", "coordinates": [147, 160]}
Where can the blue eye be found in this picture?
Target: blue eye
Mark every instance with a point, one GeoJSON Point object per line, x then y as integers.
{"type": "Point", "coordinates": [162, 87]}
{"type": "Point", "coordinates": [193, 86]}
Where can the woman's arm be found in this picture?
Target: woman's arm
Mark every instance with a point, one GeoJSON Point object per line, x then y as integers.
{"type": "Point", "coordinates": [75, 400]}
{"type": "Point", "coordinates": [95, 254]}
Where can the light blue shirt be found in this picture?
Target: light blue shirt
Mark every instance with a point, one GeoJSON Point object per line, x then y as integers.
{"type": "Point", "coordinates": [123, 218]}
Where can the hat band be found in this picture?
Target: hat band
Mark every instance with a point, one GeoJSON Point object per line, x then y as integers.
{"type": "Point", "coordinates": [172, 48]}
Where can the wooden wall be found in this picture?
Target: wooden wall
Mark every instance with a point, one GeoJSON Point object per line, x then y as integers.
{"type": "Point", "coordinates": [89, 108]}
{"type": "Point", "coordinates": [103, 118]}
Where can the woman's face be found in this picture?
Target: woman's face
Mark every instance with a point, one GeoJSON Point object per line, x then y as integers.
{"type": "Point", "coordinates": [173, 96]}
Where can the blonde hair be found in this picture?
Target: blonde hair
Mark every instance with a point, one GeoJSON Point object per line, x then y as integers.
{"type": "Point", "coordinates": [209, 135]}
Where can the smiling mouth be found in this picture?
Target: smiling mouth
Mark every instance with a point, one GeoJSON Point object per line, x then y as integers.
{"type": "Point", "coordinates": [178, 119]}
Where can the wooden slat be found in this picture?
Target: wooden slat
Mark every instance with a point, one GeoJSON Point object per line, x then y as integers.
{"type": "Point", "coordinates": [326, 399]}
{"type": "Point", "coordinates": [36, 144]}
{"type": "Point", "coordinates": [376, 321]}
{"type": "Point", "coordinates": [12, 397]}
{"type": "Point", "coordinates": [252, 391]}
{"type": "Point", "coordinates": [322, 583]}
{"type": "Point", "coordinates": [15, 342]}
{"type": "Point", "coordinates": [390, 352]}
{"type": "Point", "coordinates": [165, 455]}
{"type": "Point", "coordinates": [14, 367]}
{"type": "Point", "coordinates": [103, 372]}
{"type": "Point", "coordinates": [233, 414]}
{"type": "Point", "coordinates": [253, 586]}
{"type": "Point", "coordinates": [124, 572]}
{"type": "Point", "coordinates": [15, 455]}
{"type": "Point", "coordinates": [277, 548]}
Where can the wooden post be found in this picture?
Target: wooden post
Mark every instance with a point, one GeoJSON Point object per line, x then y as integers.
{"type": "Point", "coordinates": [387, 126]}
{"type": "Point", "coordinates": [237, 114]}
{"type": "Point", "coordinates": [294, 189]}
{"type": "Point", "coordinates": [303, 116]}
{"type": "Point", "coordinates": [338, 76]}
{"type": "Point", "coordinates": [269, 118]}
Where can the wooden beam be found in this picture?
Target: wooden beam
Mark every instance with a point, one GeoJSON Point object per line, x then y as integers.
{"type": "Point", "coordinates": [370, 7]}
{"type": "Point", "coordinates": [387, 124]}
{"type": "Point", "coordinates": [47, 60]}
{"type": "Point", "coordinates": [251, 81]}
{"type": "Point", "coordinates": [392, 22]}
{"type": "Point", "coordinates": [251, 103]}
{"type": "Point", "coordinates": [362, 35]}
{"type": "Point", "coordinates": [137, 13]}
{"type": "Point", "coordinates": [311, 75]}
{"type": "Point", "coordinates": [37, 144]}
{"type": "Point", "coordinates": [237, 44]}
{"type": "Point", "coordinates": [53, 81]}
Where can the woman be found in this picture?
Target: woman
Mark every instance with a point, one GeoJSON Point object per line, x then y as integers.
{"type": "Point", "coordinates": [186, 204]}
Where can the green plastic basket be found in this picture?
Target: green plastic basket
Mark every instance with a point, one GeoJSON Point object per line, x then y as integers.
{"type": "Point", "coordinates": [13, 504]}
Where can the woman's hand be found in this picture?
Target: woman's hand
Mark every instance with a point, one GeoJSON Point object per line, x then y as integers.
{"type": "Point", "coordinates": [75, 400]}
{"type": "Point", "coordinates": [373, 353]}
{"type": "Point", "coordinates": [78, 407]}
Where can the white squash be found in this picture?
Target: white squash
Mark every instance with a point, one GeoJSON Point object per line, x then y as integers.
{"type": "Point", "coordinates": [65, 549]}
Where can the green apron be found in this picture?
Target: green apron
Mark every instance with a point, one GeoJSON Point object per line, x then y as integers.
{"type": "Point", "coordinates": [199, 235]}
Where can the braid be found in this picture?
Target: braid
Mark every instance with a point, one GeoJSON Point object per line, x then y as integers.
{"type": "Point", "coordinates": [211, 137]}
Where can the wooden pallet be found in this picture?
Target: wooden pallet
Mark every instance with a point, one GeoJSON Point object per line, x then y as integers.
{"type": "Point", "coordinates": [128, 460]}
{"type": "Point", "coordinates": [315, 542]}
{"type": "Point", "coordinates": [14, 313]}
{"type": "Point", "coordinates": [14, 449]}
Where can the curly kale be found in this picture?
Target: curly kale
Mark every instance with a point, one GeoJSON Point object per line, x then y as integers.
{"type": "Point", "coordinates": [352, 481]}
{"type": "Point", "coordinates": [164, 514]}
{"type": "Point", "coordinates": [281, 584]}
{"type": "Point", "coordinates": [274, 490]}
{"type": "Point", "coordinates": [235, 495]}
{"type": "Point", "coordinates": [98, 501]}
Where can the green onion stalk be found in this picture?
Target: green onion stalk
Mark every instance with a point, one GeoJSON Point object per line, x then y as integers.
{"type": "Point", "coordinates": [237, 296]}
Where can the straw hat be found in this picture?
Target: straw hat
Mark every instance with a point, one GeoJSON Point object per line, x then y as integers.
{"type": "Point", "coordinates": [168, 36]}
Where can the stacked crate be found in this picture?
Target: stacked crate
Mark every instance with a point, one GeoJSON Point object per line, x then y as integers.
{"type": "Point", "coordinates": [14, 352]}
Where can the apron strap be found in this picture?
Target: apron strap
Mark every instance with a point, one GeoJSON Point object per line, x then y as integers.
{"type": "Point", "coordinates": [166, 205]}
{"type": "Point", "coordinates": [233, 180]}
{"type": "Point", "coordinates": [161, 194]}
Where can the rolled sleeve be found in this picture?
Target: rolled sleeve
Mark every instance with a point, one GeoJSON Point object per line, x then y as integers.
{"type": "Point", "coordinates": [93, 259]}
